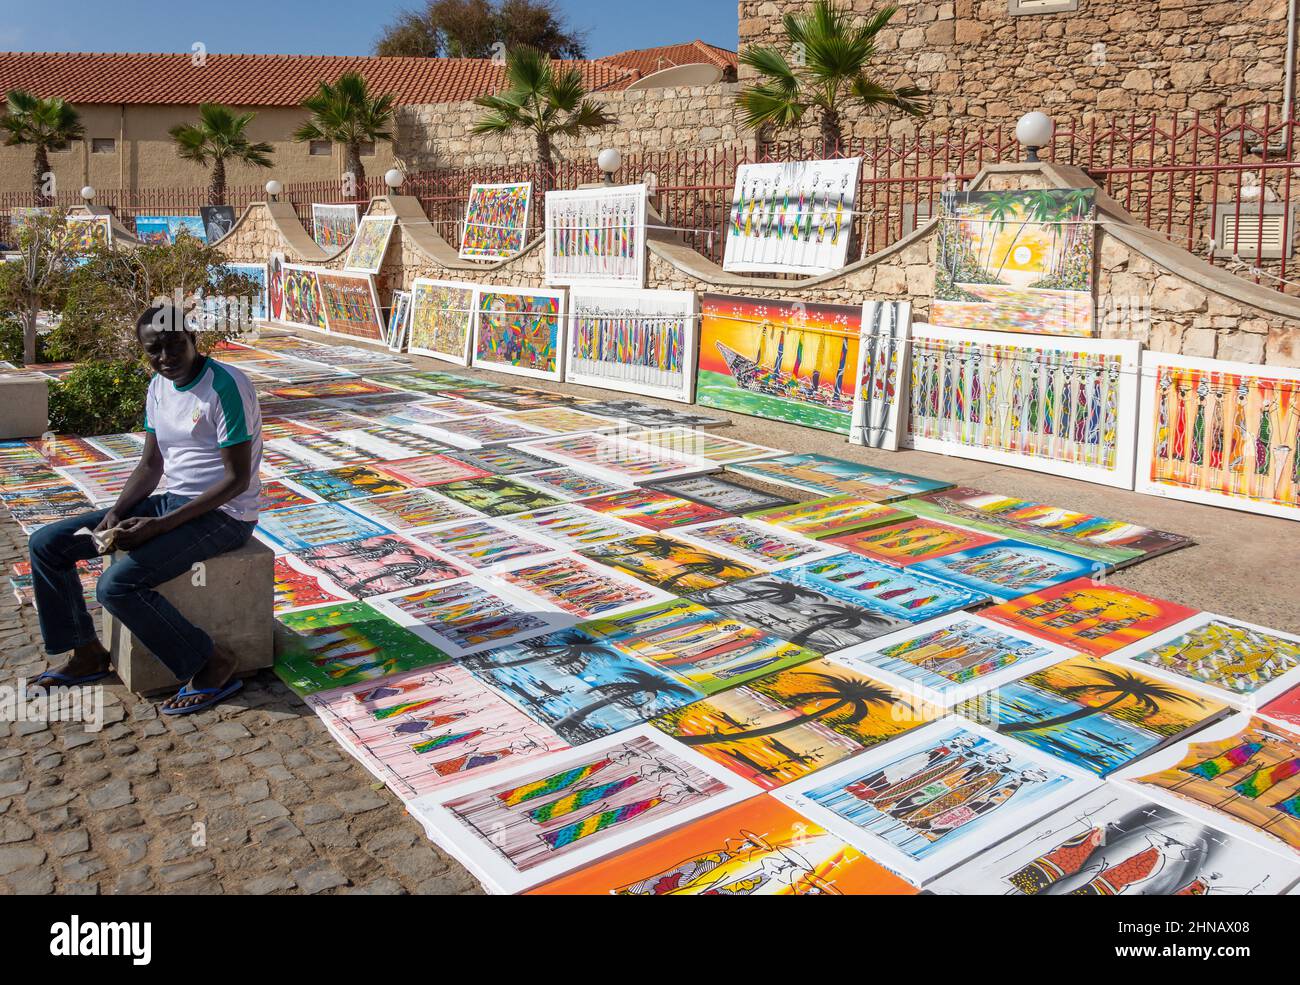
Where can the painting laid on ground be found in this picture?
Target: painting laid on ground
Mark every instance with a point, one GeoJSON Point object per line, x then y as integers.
{"type": "Point", "coordinates": [596, 236]}
{"type": "Point", "coordinates": [1065, 407]}
{"type": "Point", "coordinates": [795, 217]}
{"type": "Point", "coordinates": [1016, 261]}
{"type": "Point", "coordinates": [1222, 433]}
{"type": "Point", "coordinates": [520, 331]}
{"type": "Point", "coordinates": [442, 320]}
{"type": "Point", "coordinates": [496, 221]}
{"type": "Point", "coordinates": [784, 360]}
{"type": "Point", "coordinates": [633, 341]}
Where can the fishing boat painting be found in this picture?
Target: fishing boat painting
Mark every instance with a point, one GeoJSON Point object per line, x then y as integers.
{"type": "Point", "coordinates": [783, 360]}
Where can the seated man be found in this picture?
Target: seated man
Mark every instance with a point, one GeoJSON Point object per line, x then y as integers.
{"type": "Point", "coordinates": [204, 434]}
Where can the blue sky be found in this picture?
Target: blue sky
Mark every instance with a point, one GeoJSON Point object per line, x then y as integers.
{"type": "Point", "coordinates": [331, 27]}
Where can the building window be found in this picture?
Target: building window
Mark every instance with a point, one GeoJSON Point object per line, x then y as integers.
{"type": "Point", "coordinates": [368, 148]}
{"type": "Point", "coordinates": [1017, 8]}
{"type": "Point", "coordinates": [320, 148]}
{"type": "Point", "coordinates": [103, 145]}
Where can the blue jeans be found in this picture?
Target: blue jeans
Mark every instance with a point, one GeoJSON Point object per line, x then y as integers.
{"type": "Point", "coordinates": [127, 587]}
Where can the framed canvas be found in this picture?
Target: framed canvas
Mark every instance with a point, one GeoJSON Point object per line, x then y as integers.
{"type": "Point", "coordinates": [351, 304]}
{"type": "Point", "coordinates": [496, 221]}
{"type": "Point", "coordinates": [1064, 406]}
{"type": "Point", "coordinates": [302, 304]}
{"type": "Point", "coordinates": [218, 221]}
{"type": "Point", "coordinates": [366, 254]}
{"type": "Point", "coordinates": [333, 226]}
{"type": "Point", "coordinates": [1220, 433]}
{"type": "Point", "coordinates": [789, 361]}
{"type": "Point", "coordinates": [88, 231]}
{"type": "Point", "coordinates": [881, 374]}
{"type": "Point", "coordinates": [520, 331]}
{"type": "Point", "coordinates": [275, 286]}
{"type": "Point", "coordinates": [442, 319]}
{"type": "Point", "coordinates": [795, 217]}
{"type": "Point", "coordinates": [1016, 261]}
{"type": "Point", "coordinates": [633, 341]}
{"type": "Point", "coordinates": [398, 321]}
{"type": "Point", "coordinates": [596, 236]}
{"type": "Point", "coordinates": [259, 307]}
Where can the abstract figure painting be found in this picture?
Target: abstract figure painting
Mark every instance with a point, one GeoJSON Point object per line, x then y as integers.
{"type": "Point", "coordinates": [596, 236]}
{"type": "Point", "coordinates": [275, 286]}
{"type": "Point", "coordinates": [1016, 261]}
{"type": "Point", "coordinates": [580, 587]}
{"type": "Point", "coordinates": [787, 361]}
{"type": "Point", "coordinates": [668, 563]}
{"type": "Point", "coordinates": [832, 476]}
{"type": "Point", "coordinates": [377, 565]}
{"type": "Point", "coordinates": [882, 361]}
{"type": "Point", "coordinates": [1285, 709]}
{"type": "Point", "coordinates": [88, 232]}
{"type": "Point", "coordinates": [496, 221]}
{"type": "Point", "coordinates": [523, 826]}
{"type": "Point", "coordinates": [398, 321]}
{"type": "Point", "coordinates": [756, 543]}
{"type": "Point", "coordinates": [1006, 569]}
{"type": "Point", "coordinates": [257, 300]}
{"type": "Point", "coordinates": [442, 319]}
{"type": "Point", "coordinates": [351, 304]}
{"type": "Point", "coordinates": [721, 494]}
{"type": "Point", "coordinates": [910, 541]}
{"type": "Point", "coordinates": [831, 516]}
{"type": "Point", "coordinates": [795, 217]}
{"type": "Point", "coordinates": [1222, 433]}
{"type": "Point", "coordinates": [301, 303]}
{"type": "Point", "coordinates": [333, 226]}
{"type": "Point", "coordinates": [520, 331]}
{"type": "Point", "coordinates": [370, 243]}
{"type": "Point", "coordinates": [633, 341]}
{"type": "Point", "coordinates": [1062, 406]}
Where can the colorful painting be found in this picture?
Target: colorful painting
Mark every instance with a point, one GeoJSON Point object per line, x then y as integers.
{"type": "Point", "coordinates": [834, 476]}
{"type": "Point", "coordinates": [900, 593]}
{"type": "Point", "coordinates": [499, 461]}
{"type": "Point", "coordinates": [102, 482]}
{"type": "Point", "coordinates": [930, 800]}
{"type": "Point", "coordinates": [1065, 406]}
{"type": "Point", "coordinates": [398, 321]}
{"type": "Point", "coordinates": [596, 235]}
{"type": "Point", "coordinates": [1285, 709]}
{"type": "Point", "coordinates": [650, 415]}
{"type": "Point", "coordinates": [32, 508]}
{"type": "Point", "coordinates": [1016, 261]}
{"type": "Point", "coordinates": [789, 361]}
{"type": "Point", "coordinates": [794, 217]}
{"type": "Point", "coordinates": [336, 645]}
{"type": "Point", "coordinates": [297, 528]}
{"type": "Point", "coordinates": [570, 484]}
{"type": "Point", "coordinates": [333, 226]}
{"type": "Point", "coordinates": [561, 420]}
{"type": "Point", "coordinates": [719, 493]}
{"type": "Point", "coordinates": [129, 445]}
{"type": "Point", "coordinates": [424, 730]}
{"type": "Point", "coordinates": [524, 826]}
{"type": "Point", "coordinates": [370, 243]}
{"type": "Point", "coordinates": [708, 650]}
{"type": "Point", "coordinates": [1222, 433]}
{"type": "Point", "coordinates": [351, 304]}
{"type": "Point", "coordinates": [497, 495]}
{"type": "Point", "coordinates": [615, 458]}
{"type": "Point", "coordinates": [910, 541]}
{"type": "Point", "coordinates": [633, 341]}
{"type": "Point", "coordinates": [882, 362]}
{"type": "Point", "coordinates": [673, 565]}
{"type": "Point", "coordinates": [255, 272]}
{"type": "Point", "coordinates": [780, 727]}
{"type": "Point", "coordinates": [580, 587]}
{"type": "Point", "coordinates": [574, 527]}
{"type": "Point", "coordinates": [410, 509]}
{"type": "Point", "coordinates": [429, 470]}
{"type": "Point", "coordinates": [442, 319]}
{"type": "Point", "coordinates": [759, 544]}
{"type": "Point", "coordinates": [520, 331]}
{"type": "Point", "coordinates": [381, 564]}
{"type": "Point", "coordinates": [758, 848]}
{"type": "Point", "coordinates": [1095, 715]}
{"type": "Point", "coordinates": [67, 450]}
{"type": "Point", "coordinates": [482, 545]}
{"type": "Point", "coordinates": [652, 510]}
{"type": "Point", "coordinates": [1006, 569]}
{"type": "Point", "coordinates": [275, 277]}
{"type": "Point", "coordinates": [1113, 843]}
{"type": "Point", "coordinates": [829, 517]}
{"type": "Point", "coordinates": [712, 448]}
{"type": "Point", "coordinates": [496, 221]}
{"type": "Point", "coordinates": [1242, 776]}
{"type": "Point", "coordinates": [87, 232]}
{"type": "Point", "coordinates": [166, 229]}
{"type": "Point", "coordinates": [580, 686]}
{"type": "Point", "coordinates": [1116, 542]}
{"type": "Point", "coordinates": [299, 587]}
{"type": "Point", "coordinates": [347, 482]}
{"type": "Point", "coordinates": [301, 302]}
{"type": "Point", "coordinates": [1089, 617]}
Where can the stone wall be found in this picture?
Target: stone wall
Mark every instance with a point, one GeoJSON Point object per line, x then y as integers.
{"type": "Point", "coordinates": [982, 63]}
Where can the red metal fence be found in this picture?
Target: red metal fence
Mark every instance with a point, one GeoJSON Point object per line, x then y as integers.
{"type": "Point", "coordinates": [1219, 184]}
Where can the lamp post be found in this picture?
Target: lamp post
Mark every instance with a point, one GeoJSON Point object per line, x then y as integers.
{"type": "Point", "coordinates": [1034, 131]}
{"type": "Point", "coordinates": [273, 188]}
{"type": "Point", "coordinates": [88, 193]}
{"type": "Point", "coordinates": [609, 160]}
{"type": "Point", "coordinates": [393, 178]}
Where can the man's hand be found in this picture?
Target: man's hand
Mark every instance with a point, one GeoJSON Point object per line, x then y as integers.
{"type": "Point", "coordinates": [110, 520]}
{"type": "Point", "coordinates": [137, 530]}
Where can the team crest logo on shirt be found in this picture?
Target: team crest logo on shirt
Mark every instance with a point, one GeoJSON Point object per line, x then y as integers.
{"type": "Point", "coordinates": [196, 413]}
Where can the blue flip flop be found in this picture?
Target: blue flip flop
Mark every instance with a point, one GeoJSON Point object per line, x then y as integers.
{"type": "Point", "coordinates": [210, 695]}
{"type": "Point", "coordinates": [54, 678]}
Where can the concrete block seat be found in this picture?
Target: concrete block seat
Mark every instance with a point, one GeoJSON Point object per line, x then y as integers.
{"type": "Point", "coordinates": [24, 406]}
{"type": "Point", "coordinates": [233, 602]}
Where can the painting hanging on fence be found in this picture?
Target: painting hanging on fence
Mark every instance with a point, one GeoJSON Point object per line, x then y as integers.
{"type": "Point", "coordinates": [496, 221]}
{"type": "Point", "coordinates": [1053, 405]}
{"type": "Point", "coordinates": [442, 320]}
{"type": "Point", "coordinates": [218, 221]}
{"type": "Point", "coordinates": [794, 217]}
{"type": "Point", "coordinates": [333, 226]}
{"type": "Point", "coordinates": [164, 229]}
{"type": "Point", "coordinates": [787, 361]}
{"type": "Point", "coordinates": [1016, 261]}
{"type": "Point", "coordinates": [596, 236]}
{"type": "Point", "coordinates": [520, 331]}
{"type": "Point", "coordinates": [351, 304]}
{"type": "Point", "coordinates": [370, 243]}
{"type": "Point", "coordinates": [85, 232]}
{"type": "Point", "coordinates": [301, 303]}
{"type": "Point", "coordinates": [881, 374]}
{"type": "Point", "coordinates": [633, 341]}
{"type": "Point", "coordinates": [1222, 433]}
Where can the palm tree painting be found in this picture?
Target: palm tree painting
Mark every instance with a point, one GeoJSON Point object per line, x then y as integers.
{"type": "Point", "coordinates": [788, 724]}
{"type": "Point", "coordinates": [1018, 261]}
{"type": "Point", "coordinates": [498, 496]}
{"type": "Point", "coordinates": [1096, 715]}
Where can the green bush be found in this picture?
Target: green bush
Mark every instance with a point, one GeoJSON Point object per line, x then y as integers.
{"type": "Point", "coordinates": [100, 398]}
{"type": "Point", "coordinates": [11, 341]}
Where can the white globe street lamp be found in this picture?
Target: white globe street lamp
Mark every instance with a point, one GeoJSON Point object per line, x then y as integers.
{"type": "Point", "coordinates": [393, 178]}
{"type": "Point", "coordinates": [273, 188]}
{"type": "Point", "coordinates": [609, 160]}
{"type": "Point", "coordinates": [1035, 131]}
{"type": "Point", "coordinates": [88, 193]}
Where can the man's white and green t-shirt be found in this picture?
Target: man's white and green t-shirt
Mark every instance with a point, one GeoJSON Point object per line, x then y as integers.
{"type": "Point", "coordinates": [192, 423]}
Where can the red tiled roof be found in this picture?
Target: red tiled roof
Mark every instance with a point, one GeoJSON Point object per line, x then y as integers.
{"type": "Point", "coordinates": [261, 80]}
{"type": "Point", "coordinates": [648, 60]}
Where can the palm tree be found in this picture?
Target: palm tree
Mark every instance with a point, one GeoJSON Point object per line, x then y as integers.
{"type": "Point", "coordinates": [829, 695]}
{"type": "Point", "coordinates": [44, 124]}
{"type": "Point", "coordinates": [540, 99]}
{"type": "Point", "coordinates": [829, 69]}
{"type": "Point", "coordinates": [832, 615]}
{"type": "Point", "coordinates": [634, 683]}
{"type": "Point", "coordinates": [703, 564]}
{"type": "Point", "coordinates": [345, 113]}
{"type": "Point", "coordinates": [1121, 686]}
{"type": "Point", "coordinates": [216, 138]}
